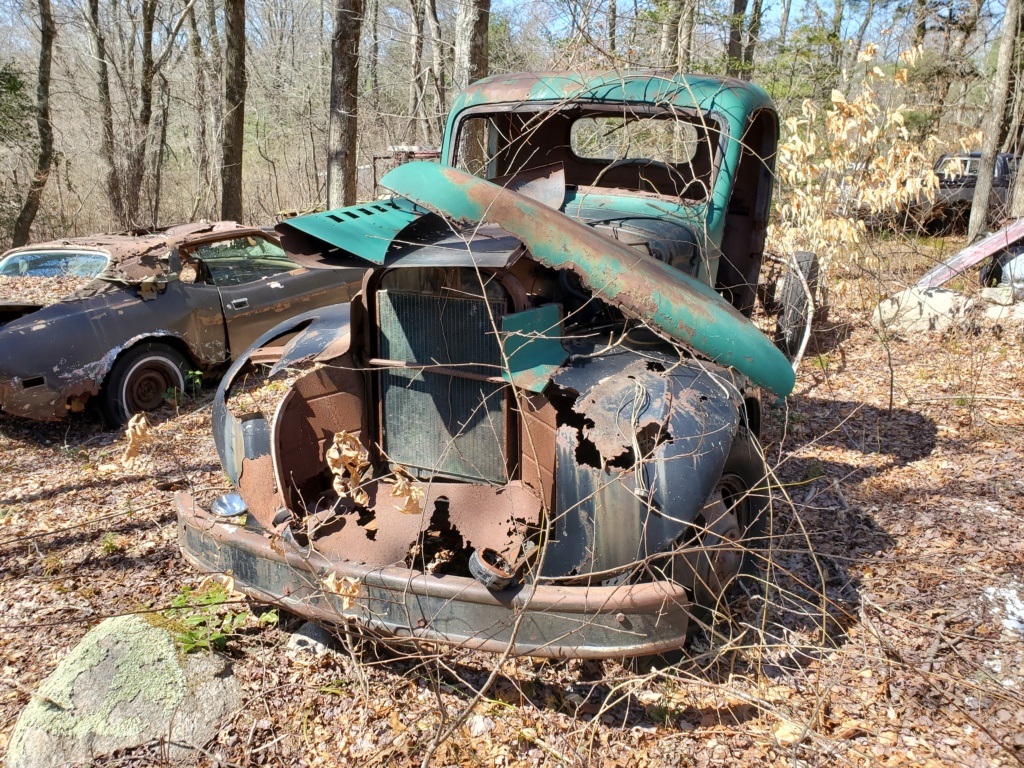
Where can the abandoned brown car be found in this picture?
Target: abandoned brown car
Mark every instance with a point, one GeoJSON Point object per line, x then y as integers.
{"type": "Point", "coordinates": [148, 310]}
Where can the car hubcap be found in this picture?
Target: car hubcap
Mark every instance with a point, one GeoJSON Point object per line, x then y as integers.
{"type": "Point", "coordinates": [145, 391]}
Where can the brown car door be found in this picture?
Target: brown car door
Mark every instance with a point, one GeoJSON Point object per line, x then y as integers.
{"type": "Point", "coordinates": [260, 286]}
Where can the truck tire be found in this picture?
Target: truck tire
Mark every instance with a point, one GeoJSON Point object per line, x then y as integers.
{"type": "Point", "coordinates": [744, 491]}
{"type": "Point", "coordinates": [792, 320]}
{"type": "Point", "coordinates": [140, 379]}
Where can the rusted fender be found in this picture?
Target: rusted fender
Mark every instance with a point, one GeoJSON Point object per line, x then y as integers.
{"type": "Point", "coordinates": [650, 290]}
{"type": "Point", "coordinates": [963, 260]}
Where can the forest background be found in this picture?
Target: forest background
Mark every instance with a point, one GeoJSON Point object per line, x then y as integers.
{"type": "Point", "coordinates": [136, 113]}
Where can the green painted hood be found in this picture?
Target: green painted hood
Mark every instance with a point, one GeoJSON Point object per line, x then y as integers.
{"type": "Point", "coordinates": [683, 308]}
{"type": "Point", "coordinates": [365, 230]}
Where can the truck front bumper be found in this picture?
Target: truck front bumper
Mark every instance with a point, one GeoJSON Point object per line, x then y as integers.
{"type": "Point", "coordinates": [395, 602]}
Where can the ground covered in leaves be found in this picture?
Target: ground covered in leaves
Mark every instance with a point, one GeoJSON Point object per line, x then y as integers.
{"type": "Point", "coordinates": [888, 628]}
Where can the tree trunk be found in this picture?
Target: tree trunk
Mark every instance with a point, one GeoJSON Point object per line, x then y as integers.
{"type": "Point", "coordinates": [684, 48]}
{"type": "Point", "coordinates": [753, 38]}
{"type": "Point", "coordinates": [1012, 142]}
{"type": "Point", "coordinates": [341, 137]}
{"type": "Point", "coordinates": [668, 47]}
{"type": "Point", "coordinates": [470, 65]}
{"type": "Point", "coordinates": [23, 225]}
{"type": "Point", "coordinates": [99, 45]}
{"type": "Point", "coordinates": [837, 34]}
{"type": "Point", "coordinates": [235, 82]}
{"type": "Point", "coordinates": [954, 58]}
{"type": "Point", "coordinates": [613, 13]}
{"type": "Point", "coordinates": [374, 56]}
{"type": "Point", "coordinates": [784, 22]}
{"type": "Point", "coordinates": [161, 147]}
{"type": "Point", "coordinates": [862, 31]}
{"type": "Point", "coordinates": [437, 70]}
{"type": "Point", "coordinates": [992, 122]}
{"type": "Point", "coordinates": [920, 21]}
{"type": "Point", "coordinates": [471, 22]}
{"type": "Point", "coordinates": [416, 74]}
{"type": "Point", "coordinates": [135, 155]}
{"type": "Point", "coordinates": [204, 181]}
{"type": "Point", "coordinates": [734, 52]}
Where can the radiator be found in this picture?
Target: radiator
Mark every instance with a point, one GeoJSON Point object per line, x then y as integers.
{"type": "Point", "coordinates": [442, 424]}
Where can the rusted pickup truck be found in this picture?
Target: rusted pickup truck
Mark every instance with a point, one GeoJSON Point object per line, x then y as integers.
{"type": "Point", "coordinates": [536, 424]}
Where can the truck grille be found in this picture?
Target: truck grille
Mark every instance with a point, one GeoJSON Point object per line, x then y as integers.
{"type": "Point", "coordinates": [441, 423]}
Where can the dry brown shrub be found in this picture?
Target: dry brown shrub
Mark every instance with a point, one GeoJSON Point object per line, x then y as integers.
{"type": "Point", "coordinates": [852, 162]}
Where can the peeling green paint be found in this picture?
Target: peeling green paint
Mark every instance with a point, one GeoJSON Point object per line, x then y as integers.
{"type": "Point", "coordinates": [684, 308]}
{"type": "Point", "coordinates": [366, 230]}
{"type": "Point", "coordinates": [533, 346]}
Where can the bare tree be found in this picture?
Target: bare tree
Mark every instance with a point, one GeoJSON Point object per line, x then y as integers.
{"type": "Point", "coordinates": [235, 83]}
{"type": "Point", "coordinates": [471, 49]}
{"type": "Point", "coordinates": [753, 37]}
{"type": "Point", "coordinates": [374, 55]}
{"type": "Point", "coordinates": [23, 225]}
{"type": "Point", "coordinates": [126, 162]}
{"type": "Point", "coordinates": [437, 49]}
{"type": "Point", "coordinates": [993, 120]}
{"type": "Point", "coordinates": [203, 77]}
{"type": "Point", "coordinates": [471, 22]}
{"type": "Point", "coordinates": [417, 77]}
{"type": "Point", "coordinates": [734, 50]}
{"type": "Point", "coordinates": [99, 45]}
{"type": "Point", "coordinates": [612, 24]}
{"type": "Point", "coordinates": [668, 48]}
{"type": "Point", "coordinates": [684, 44]}
{"type": "Point", "coordinates": [341, 134]}
{"type": "Point", "coordinates": [784, 21]}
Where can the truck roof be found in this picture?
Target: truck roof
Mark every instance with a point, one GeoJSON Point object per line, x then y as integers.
{"type": "Point", "coordinates": [725, 95]}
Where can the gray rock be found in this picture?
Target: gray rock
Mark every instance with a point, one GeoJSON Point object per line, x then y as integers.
{"type": "Point", "coordinates": [125, 685]}
{"type": "Point", "coordinates": [1000, 295]}
{"type": "Point", "coordinates": [917, 310]}
{"type": "Point", "coordinates": [311, 638]}
{"type": "Point", "coordinates": [1006, 316]}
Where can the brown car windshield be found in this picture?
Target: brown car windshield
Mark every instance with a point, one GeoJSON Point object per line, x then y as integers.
{"type": "Point", "coordinates": [660, 151]}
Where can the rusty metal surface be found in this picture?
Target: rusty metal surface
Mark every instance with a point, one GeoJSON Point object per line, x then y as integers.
{"type": "Point", "coordinates": [631, 479]}
{"type": "Point", "coordinates": [1005, 238]}
{"type": "Point", "coordinates": [321, 403]}
{"type": "Point", "coordinates": [125, 246]}
{"type": "Point", "coordinates": [556, 621]}
{"type": "Point", "coordinates": [545, 184]}
{"type": "Point", "coordinates": [322, 329]}
{"type": "Point", "coordinates": [685, 309]}
{"type": "Point", "coordinates": [472, 515]}
{"type": "Point", "coordinates": [538, 424]}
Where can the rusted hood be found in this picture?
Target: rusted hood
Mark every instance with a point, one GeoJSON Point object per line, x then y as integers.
{"type": "Point", "coordinates": [680, 306]}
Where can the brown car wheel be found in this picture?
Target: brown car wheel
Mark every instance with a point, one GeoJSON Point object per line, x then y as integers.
{"type": "Point", "coordinates": [140, 380]}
